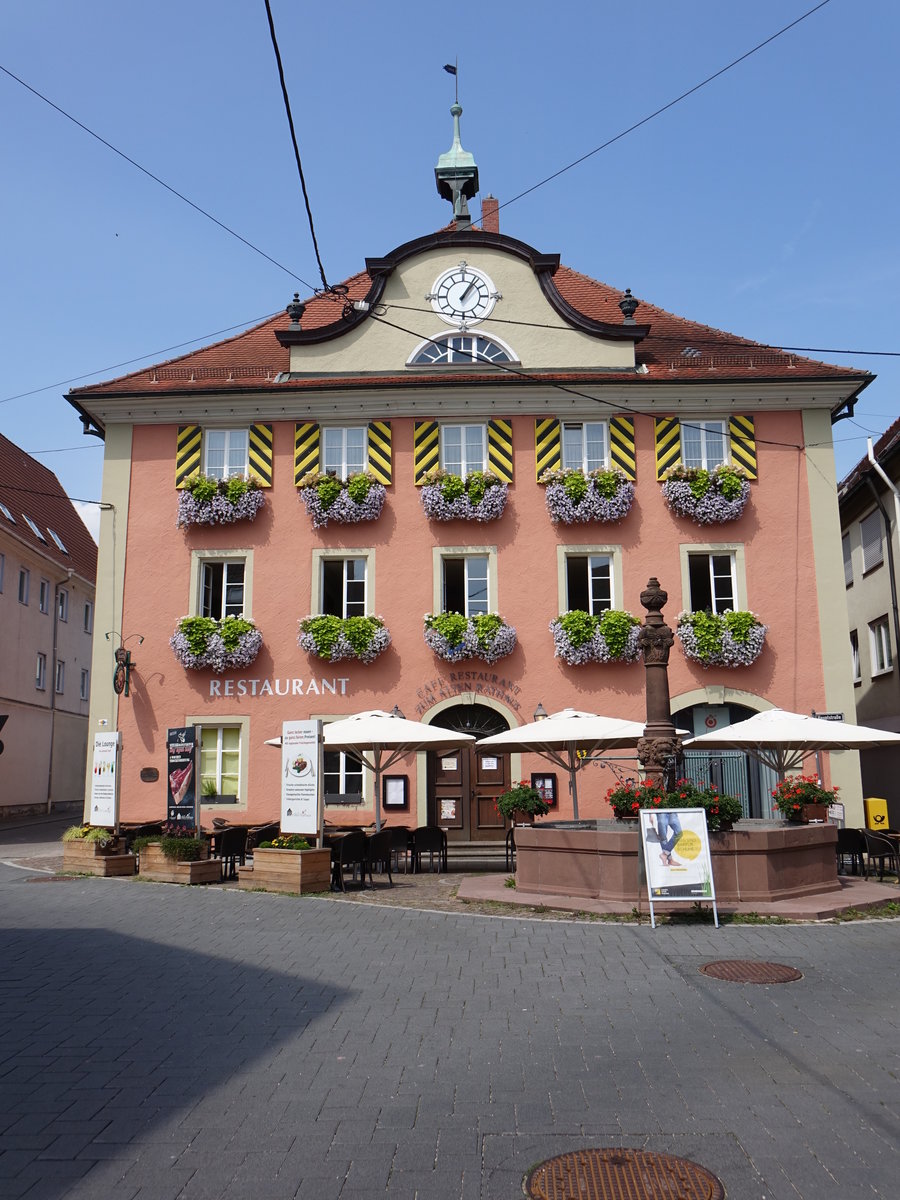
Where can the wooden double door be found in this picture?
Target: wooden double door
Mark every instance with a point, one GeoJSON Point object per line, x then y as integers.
{"type": "Point", "coordinates": [467, 783]}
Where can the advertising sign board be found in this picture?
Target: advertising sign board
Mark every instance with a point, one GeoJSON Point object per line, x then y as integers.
{"type": "Point", "coordinates": [182, 747]}
{"type": "Point", "coordinates": [675, 845]}
{"type": "Point", "coordinates": [104, 780]}
{"type": "Point", "coordinates": [301, 760]}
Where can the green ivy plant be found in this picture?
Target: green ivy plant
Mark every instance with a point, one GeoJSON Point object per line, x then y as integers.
{"type": "Point", "coordinates": [615, 626]}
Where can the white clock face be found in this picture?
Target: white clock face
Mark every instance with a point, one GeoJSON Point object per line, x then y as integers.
{"type": "Point", "coordinates": [463, 295]}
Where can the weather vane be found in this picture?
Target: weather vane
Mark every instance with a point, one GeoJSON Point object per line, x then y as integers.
{"type": "Point", "coordinates": [453, 69]}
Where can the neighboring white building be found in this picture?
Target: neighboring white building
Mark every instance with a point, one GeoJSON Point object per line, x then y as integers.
{"type": "Point", "coordinates": [870, 515]}
{"type": "Point", "coordinates": [48, 565]}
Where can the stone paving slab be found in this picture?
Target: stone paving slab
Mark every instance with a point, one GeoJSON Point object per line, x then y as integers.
{"type": "Point", "coordinates": [162, 1042]}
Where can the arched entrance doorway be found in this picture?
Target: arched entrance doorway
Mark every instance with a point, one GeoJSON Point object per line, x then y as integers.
{"type": "Point", "coordinates": [731, 771]}
{"type": "Point", "coordinates": [463, 785]}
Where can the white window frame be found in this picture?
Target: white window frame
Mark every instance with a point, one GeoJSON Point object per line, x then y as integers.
{"type": "Point", "coordinates": [346, 765]}
{"type": "Point", "coordinates": [7, 514]}
{"type": "Point", "coordinates": [869, 524]}
{"type": "Point", "coordinates": [449, 350]}
{"type": "Point", "coordinates": [24, 585]}
{"type": "Point", "coordinates": [199, 557]}
{"type": "Point", "coordinates": [440, 554]}
{"type": "Point", "coordinates": [40, 672]}
{"type": "Point", "coordinates": [59, 542]}
{"type": "Point", "coordinates": [593, 550]}
{"type": "Point", "coordinates": [62, 605]}
{"type": "Point", "coordinates": [330, 434]}
{"type": "Point", "coordinates": [230, 434]}
{"type": "Point", "coordinates": [855, 665]}
{"type": "Point", "coordinates": [44, 596]}
{"type": "Point", "coordinates": [582, 460]}
{"type": "Point", "coordinates": [88, 616]}
{"type": "Point", "coordinates": [34, 529]}
{"type": "Point", "coordinates": [705, 459]}
{"type": "Point", "coordinates": [228, 567]}
{"type": "Point", "coordinates": [738, 570]}
{"type": "Point", "coordinates": [882, 657]}
{"type": "Point", "coordinates": [231, 722]}
{"type": "Point", "coordinates": [318, 578]}
{"type": "Point", "coordinates": [85, 691]}
{"type": "Point", "coordinates": [465, 467]}
{"type": "Point", "coordinates": [60, 681]}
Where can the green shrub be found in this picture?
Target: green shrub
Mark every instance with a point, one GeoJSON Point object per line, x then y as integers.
{"type": "Point", "coordinates": [286, 841]}
{"type": "Point", "coordinates": [87, 833]}
{"type": "Point", "coordinates": [450, 625]}
{"type": "Point", "coordinates": [181, 849]}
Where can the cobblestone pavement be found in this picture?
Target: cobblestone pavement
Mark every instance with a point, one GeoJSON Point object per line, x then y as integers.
{"type": "Point", "coordinates": [209, 1044]}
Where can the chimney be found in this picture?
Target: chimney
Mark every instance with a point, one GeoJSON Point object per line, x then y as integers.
{"type": "Point", "coordinates": [490, 214]}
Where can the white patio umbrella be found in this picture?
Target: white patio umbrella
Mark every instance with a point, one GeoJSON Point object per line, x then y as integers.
{"type": "Point", "coordinates": [781, 739]}
{"type": "Point", "coordinates": [565, 739]}
{"type": "Point", "coordinates": [387, 737]}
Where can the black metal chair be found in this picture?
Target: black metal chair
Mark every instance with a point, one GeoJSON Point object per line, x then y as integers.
{"type": "Point", "coordinates": [511, 849]}
{"type": "Point", "coordinates": [401, 844]}
{"type": "Point", "coordinates": [262, 833]}
{"type": "Point", "coordinates": [231, 847]}
{"type": "Point", "coordinates": [152, 829]}
{"type": "Point", "coordinates": [880, 850]}
{"type": "Point", "coordinates": [379, 848]}
{"type": "Point", "coordinates": [350, 851]}
{"type": "Point", "coordinates": [430, 840]}
{"type": "Point", "coordinates": [851, 847]}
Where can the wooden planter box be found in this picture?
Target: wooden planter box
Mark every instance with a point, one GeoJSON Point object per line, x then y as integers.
{"type": "Point", "coordinates": [154, 865]}
{"type": "Point", "coordinates": [90, 858]}
{"type": "Point", "coordinates": [295, 871]}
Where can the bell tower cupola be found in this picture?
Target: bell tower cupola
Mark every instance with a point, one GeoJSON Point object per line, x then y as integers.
{"type": "Point", "coordinates": [456, 174]}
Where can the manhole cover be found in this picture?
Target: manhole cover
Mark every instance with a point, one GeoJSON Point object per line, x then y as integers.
{"type": "Point", "coordinates": [741, 971]}
{"type": "Point", "coordinates": [50, 878]}
{"type": "Point", "coordinates": [621, 1175]}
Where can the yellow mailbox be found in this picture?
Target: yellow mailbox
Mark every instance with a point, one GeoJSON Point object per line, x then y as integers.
{"type": "Point", "coordinates": [876, 813]}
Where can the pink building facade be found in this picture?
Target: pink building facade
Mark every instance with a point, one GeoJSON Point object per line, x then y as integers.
{"type": "Point", "coordinates": [467, 351]}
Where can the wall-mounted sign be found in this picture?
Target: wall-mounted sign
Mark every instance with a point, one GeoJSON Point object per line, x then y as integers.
{"type": "Point", "coordinates": [300, 776]}
{"type": "Point", "coordinates": [104, 780]}
{"type": "Point", "coordinates": [489, 762]}
{"type": "Point", "coordinates": [182, 749]}
{"type": "Point", "coordinates": [448, 764]}
{"type": "Point", "coordinates": [279, 687]}
{"type": "Point", "coordinates": [149, 774]}
{"type": "Point", "coordinates": [448, 810]}
{"type": "Point", "coordinates": [396, 792]}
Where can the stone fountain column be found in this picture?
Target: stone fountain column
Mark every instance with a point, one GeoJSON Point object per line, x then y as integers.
{"type": "Point", "coordinates": [660, 743]}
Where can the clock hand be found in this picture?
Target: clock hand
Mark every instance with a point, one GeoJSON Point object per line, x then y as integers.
{"type": "Point", "coordinates": [465, 295]}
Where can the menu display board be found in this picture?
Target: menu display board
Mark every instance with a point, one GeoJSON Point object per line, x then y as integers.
{"type": "Point", "coordinates": [104, 780]}
{"type": "Point", "coordinates": [300, 777]}
{"type": "Point", "coordinates": [182, 748]}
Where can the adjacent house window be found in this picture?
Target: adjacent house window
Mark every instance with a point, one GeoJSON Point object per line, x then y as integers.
{"type": "Point", "coordinates": [63, 605]}
{"type": "Point", "coordinates": [44, 598]}
{"type": "Point", "coordinates": [342, 775]}
{"type": "Point", "coordinates": [60, 677]}
{"type": "Point", "coordinates": [7, 514]}
{"type": "Point", "coordinates": [221, 588]}
{"type": "Point", "coordinates": [344, 587]}
{"type": "Point", "coordinates": [870, 536]}
{"type": "Point", "coordinates": [220, 762]}
{"type": "Point", "coordinates": [585, 445]}
{"type": "Point", "coordinates": [225, 452]}
{"type": "Point", "coordinates": [880, 645]}
{"type": "Point", "coordinates": [704, 444]}
{"type": "Point", "coordinates": [40, 674]}
{"type": "Point", "coordinates": [24, 585]}
{"type": "Point", "coordinates": [854, 656]}
{"type": "Point", "coordinates": [88, 616]}
{"type": "Point", "coordinates": [458, 349]}
{"type": "Point", "coordinates": [589, 582]}
{"type": "Point", "coordinates": [848, 560]}
{"type": "Point", "coordinates": [343, 451]}
{"type": "Point", "coordinates": [59, 542]}
{"type": "Point", "coordinates": [34, 529]}
{"type": "Point", "coordinates": [713, 582]}
{"type": "Point", "coordinates": [465, 585]}
{"type": "Point", "coordinates": [85, 684]}
{"type": "Point", "coordinates": [463, 448]}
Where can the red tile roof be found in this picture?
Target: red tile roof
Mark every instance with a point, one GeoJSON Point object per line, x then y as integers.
{"type": "Point", "coordinates": [28, 489]}
{"type": "Point", "coordinates": [883, 449]}
{"type": "Point", "coordinates": [675, 349]}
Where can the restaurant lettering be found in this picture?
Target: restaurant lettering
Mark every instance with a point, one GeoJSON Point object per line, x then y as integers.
{"type": "Point", "coordinates": [483, 683]}
{"type": "Point", "coordinates": [282, 687]}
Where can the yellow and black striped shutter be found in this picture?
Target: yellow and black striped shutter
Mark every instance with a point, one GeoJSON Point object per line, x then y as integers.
{"type": "Point", "coordinates": [187, 454]}
{"type": "Point", "coordinates": [306, 449]}
{"type": "Point", "coordinates": [426, 453]}
{"type": "Point", "coordinates": [260, 444]}
{"type": "Point", "coordinates": [621, 444]}
{"type": "Point", "coordinates": [380, 450]}
{"type": "Point", "coordinates": [547, 445]}
{"type": "Point", "coordinates": [500, 460]}
{"type": "Point", "coordinates": [668, 444]}
{"type": "Point", "coordinates": [743, 444]}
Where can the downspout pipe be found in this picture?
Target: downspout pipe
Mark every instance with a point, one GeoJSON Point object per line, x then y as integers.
{"type": "Point", "coordinates": [879, 470]}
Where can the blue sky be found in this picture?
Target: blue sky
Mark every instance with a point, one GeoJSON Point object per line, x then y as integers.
{"type": "Point", "coordinates": [765, 204]}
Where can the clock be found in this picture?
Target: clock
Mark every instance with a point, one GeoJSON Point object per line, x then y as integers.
{"type": "Point", "coordinates": [463, 295]}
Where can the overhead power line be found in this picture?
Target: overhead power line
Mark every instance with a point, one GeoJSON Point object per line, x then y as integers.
{"type": "Point", "coordinates": [156, 179]}
{"type": "Point", "coordinates": [659, 111]}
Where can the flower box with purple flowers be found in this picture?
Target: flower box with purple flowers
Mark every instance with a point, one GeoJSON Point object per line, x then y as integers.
{"type": "Point", "coordinates": [207, 501]}
{"type": "Point", "coordinates": [480, 496]}
{"type": "Point", "coordinates": [202, 643]}
{"type": "Point", "coordinates": [707, 497]}
{"type": "Point", "coordinates": [335, 638]}
{"type": "Point", "coordinates": [326, 498]}
{"type": "Point", "coordinates": [573, 497]}
{"type": "Point", "coordinates": [454, 637]}
{"type": "Point", "coordinates": [581, 637]}
{"type": "Point", "coordinates": [727, 639]}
